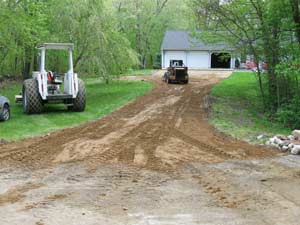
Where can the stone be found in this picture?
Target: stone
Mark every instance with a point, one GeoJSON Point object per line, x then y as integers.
{"type": "Point", "coordinates": [284, 143]}
{"type": "Point", "coordinates": [296, 134]}
{"type": "Point", "coordinates": [272, 140]}
{"type": "Point", "coordinates": [285, 149]}
{"type": "Point", "coordinates": [291, 137]}
{"type": "Point", "coordinates": [281, 137]}
{"type": "Point", "coordinates": [262, 136]}
{"type": "Point", "coordinates": [296, 150]}
{"type": "Point", "coordinates": [276, 140]}
{"type": "Point", "coordinates": [275, 145]}
{"type": "Point", "coordinates": [295, 142]}
{"type": "Point", "coordinates": [279, 142]}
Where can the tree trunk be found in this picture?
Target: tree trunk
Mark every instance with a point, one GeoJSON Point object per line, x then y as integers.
{"type": "Point", "coordinates": [138, 35]}
{"type": "Point", "coordinates": [151, 61]}
{"type": "Point", "coordinates": [261, 88]}
{"type": "Point", "coordinates": [27, 63]}
{"type": "Point", "coordinates": [143, 62]}
{"type": "Point", "coordinates": [271, 47]}
{"type": "Point", "coordinates": [296, 17]}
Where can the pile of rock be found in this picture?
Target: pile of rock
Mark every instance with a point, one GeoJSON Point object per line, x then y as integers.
{"type": "Point", "coordinates": [290, 143]}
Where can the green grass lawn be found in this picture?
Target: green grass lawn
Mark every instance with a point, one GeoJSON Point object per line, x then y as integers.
{"type": "Point", "coordinates": [237, 109]}
{"type": "Point", "coordinates": [102, 99]}
{"type": "Point", "coordinates": [138, 72]}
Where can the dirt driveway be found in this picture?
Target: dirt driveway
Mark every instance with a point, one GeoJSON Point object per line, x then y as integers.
{"type": "Point", "coordinates": [154, 161]}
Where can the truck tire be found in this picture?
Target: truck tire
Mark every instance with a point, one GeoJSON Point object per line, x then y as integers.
{"type": "Point", "coordinates": [5, 113]}
{"type": "Point", "coordinates": [80, 101]}
{"type": "Point", "coordinates": [32, 102]}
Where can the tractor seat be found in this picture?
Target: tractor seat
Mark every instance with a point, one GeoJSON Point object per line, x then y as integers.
{"type": "Point", "coordinates": [53, 78]}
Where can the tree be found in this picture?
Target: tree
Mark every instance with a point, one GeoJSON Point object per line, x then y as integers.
{"type": "Point", "coordinates": [99, 47]}
{"type": "Point", "coordinates": [22, 26]}
{"type": "Point", "coordinates": [296, 17]}
{"type": "Point", "coordinates": [255, 26]}
{"type": "Point", "coordinates": [144, 24]}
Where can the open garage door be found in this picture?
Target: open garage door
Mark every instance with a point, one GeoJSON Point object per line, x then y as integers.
{"type": "Point", "coordinates": [220, 61]}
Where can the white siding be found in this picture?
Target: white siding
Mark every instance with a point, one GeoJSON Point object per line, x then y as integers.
{"type": "Point", "coordinates": [169, 55]}
{"type": "Point", "coordinates": [198, 60]}
{"type": "Point", "coordinates": [192, 59]}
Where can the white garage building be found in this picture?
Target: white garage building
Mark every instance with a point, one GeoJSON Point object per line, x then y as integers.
{"type": "Point", "coordinates": [179, 45]}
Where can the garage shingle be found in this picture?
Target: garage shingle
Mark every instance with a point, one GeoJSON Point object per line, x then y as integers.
{"type": "Point", "coordinates": [184, 40]}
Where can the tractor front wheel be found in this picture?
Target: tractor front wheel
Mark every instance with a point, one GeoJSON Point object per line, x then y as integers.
{"type": "Point", "coordinates": [32, 102]}
{"type": "Point", "coordinates": [80, 101]}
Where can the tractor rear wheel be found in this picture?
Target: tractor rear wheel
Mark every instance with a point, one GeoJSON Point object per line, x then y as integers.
{"type": "Point", "coordinates": [80, 101]}
{"type": "Point", "coordinates": [32, 102]}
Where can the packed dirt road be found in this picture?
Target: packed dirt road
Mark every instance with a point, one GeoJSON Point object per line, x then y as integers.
{"type": "Point", "coordinates": [154, 161]}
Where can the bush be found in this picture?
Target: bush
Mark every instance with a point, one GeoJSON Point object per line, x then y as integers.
{"type": "Point", "coordinates": [289, 115]}
{"type": "Point", "coordinates": [288, 89]}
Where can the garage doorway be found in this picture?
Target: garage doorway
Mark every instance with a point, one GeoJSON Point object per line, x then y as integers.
{"type": "Point", "coordinates": [220, 61]}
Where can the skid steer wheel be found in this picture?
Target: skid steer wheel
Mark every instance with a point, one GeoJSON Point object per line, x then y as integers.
{"type": "Point", "coordinates": [32, 102]}
{"type": "Point", "coordinates": [5, 113]}
{"type": "Point", "coordinates": [80, 101]}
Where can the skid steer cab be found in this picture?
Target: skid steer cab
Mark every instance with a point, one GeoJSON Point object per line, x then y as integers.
{"type": "Point", "coordinates": [45, 86]}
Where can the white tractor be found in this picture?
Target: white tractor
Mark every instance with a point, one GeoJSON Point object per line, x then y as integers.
{"type": "Point", "coordinates": [45, 86]}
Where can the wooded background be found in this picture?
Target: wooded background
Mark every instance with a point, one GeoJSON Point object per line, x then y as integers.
{"type": "Point", "coordinates": [112, 36]}
{"type": "Point", "coordinates": [268, 30]}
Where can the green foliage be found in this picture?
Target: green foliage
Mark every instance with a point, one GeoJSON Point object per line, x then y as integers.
{"type": "Point", "coordinates": [102, 100]}
{"type": "Point", "coordinates": [238, 111]}
{"type": "Point", "coordinates": [99, 47]}
{"type": "Point", "coordinates": [261, 30]}
{"type": "Point", "coordinates": [289, 115]}
{"type": "Point", "coordinates": [288, 93]}
{"type": "Point", "coordinates": [144, 22]}
{"type": "Point", "coordinates": [22, 25]}
{"type": "Point", "coordinates": [110, 36]}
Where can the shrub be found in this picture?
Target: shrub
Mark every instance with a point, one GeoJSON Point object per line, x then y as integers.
{"type": "Point", "coordinates": [289, 114]}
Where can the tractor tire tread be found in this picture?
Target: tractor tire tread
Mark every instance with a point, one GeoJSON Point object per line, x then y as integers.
{"type": "Point", "coordinates": [33, 98]}
{"type": "Point", "coordinates": [80, 101]}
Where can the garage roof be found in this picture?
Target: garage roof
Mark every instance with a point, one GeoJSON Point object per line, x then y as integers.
{"type": "Point", "coordinates": [183, 40]}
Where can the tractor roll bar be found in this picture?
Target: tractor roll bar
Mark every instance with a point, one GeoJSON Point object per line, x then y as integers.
{"type": "Point", "coordinates": [59, 46]}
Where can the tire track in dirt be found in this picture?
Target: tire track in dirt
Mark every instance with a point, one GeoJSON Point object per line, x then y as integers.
{"type": "Point", "coordinates": [215, 184]}
{"type": "Point", "coordinates": [170, 115]}
{"type": "Point", "coordinates": [167, 133]}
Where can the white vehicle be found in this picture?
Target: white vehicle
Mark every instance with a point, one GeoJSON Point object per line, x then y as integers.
{"type": "Point", "coordinates": [4, 109]}
{"type": "Point", "coordinates": [44, 87]}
